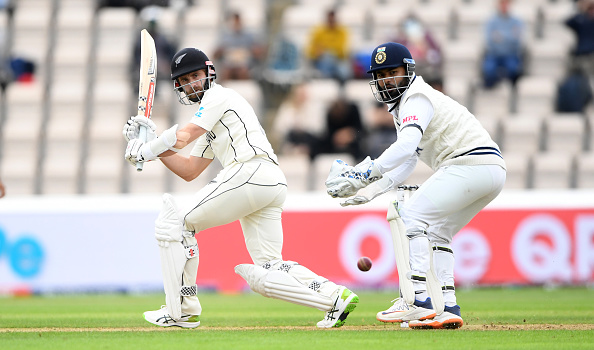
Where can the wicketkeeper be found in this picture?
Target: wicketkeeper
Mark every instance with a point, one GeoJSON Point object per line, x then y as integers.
{"type": "Point", "coordinates": [251, 188]}
{"type": "Point", "coordinates": [469, 173]}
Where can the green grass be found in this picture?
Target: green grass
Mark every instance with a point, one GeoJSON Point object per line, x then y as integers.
{"type": "Point", "coordinates": [250, 321]}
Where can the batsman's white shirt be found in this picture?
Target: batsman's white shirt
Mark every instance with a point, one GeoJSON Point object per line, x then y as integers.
{"type": "Point", "coordinates": [251, 187]}
{"type": "Point", "coordinates": [234, 132]}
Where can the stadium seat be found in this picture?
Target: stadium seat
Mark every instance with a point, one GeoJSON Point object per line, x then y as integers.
{"type": "Point", "coordinates": [518, 170]}
{"type": "Point", "coordinates": [493, 101]}
{"type": "Point", "coordinates": [548, 59]}
{"type": "Point", "coordinates": [584, 170]}
{"type": "Point", "coordinates": [552, 170]}
{"type": "Point", "coordinates": [115, 42]}
{"type": "Point", "coordinates": [521, 134]}
{"type": "Point", "coordinates": [297, 171]}
{"type": "Point", "coordinates": [565, 133]}
{"type": "Point", "coordinates": [536, 95]}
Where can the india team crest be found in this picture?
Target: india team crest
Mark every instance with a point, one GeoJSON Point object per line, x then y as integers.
{"type": "Point", "coordinates": [380, 56]}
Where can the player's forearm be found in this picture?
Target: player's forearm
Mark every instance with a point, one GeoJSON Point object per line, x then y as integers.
{"type": "Point", "coordinates": [184, 167]}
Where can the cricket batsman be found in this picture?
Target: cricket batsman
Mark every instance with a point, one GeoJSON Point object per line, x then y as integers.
{"type": "Point", "coordinates": [250, 188]}
{"type": "Point", "coordinates": [469, 173]}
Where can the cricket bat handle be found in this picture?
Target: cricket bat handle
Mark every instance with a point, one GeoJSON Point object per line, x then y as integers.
{"type": "Point", "coordinates": [141, 136]}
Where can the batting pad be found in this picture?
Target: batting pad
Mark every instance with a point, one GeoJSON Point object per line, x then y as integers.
{"type": "Point", "coordinates": [173, 260]}
{"type": "Point", "coordinates": [174, 256]}
{"type": "Point", "coordinates": [434, 288]}
{"type": "Point", "coordinates": [401, 250]}
{"type": "Point", "coordinates": [279, 284]}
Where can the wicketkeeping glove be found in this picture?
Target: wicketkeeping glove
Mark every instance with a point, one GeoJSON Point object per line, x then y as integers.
{"type": "Point", "coordinates": [370, 192]}
{"type": "Point", "coordinates": [345, 180]}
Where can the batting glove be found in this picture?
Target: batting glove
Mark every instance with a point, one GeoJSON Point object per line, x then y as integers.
{"type": "Point", "coordinates": [132, 128]}
{"type": "Point", "coordinates": [345, 180]}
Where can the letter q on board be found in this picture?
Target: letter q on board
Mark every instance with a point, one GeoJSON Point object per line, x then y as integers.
{"type": "Point", "coordinates": [537, 260]}
{"type": "Point", "coordinates": [349, 248]}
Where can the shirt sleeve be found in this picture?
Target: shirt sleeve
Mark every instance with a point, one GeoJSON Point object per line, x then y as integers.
{"type": "Point", "coordinates": [414, 117]}
{"type": "Point", "coordinates": [202, 149]}
{"type": "Point", "coordinates": [212, 108]}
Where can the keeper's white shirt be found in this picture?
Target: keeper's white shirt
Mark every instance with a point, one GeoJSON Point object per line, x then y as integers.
{"type": "Point", "coordinates": [437, 130]}
{"type": "Point", "coordinates": [234, 133]}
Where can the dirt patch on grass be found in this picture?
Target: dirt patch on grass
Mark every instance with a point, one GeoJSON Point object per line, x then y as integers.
{"type": "Point", "coordinates": [378, 327]}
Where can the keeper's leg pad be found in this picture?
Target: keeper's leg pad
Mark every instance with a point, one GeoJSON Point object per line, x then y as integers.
{"type": "Point", "coordinates": [174, 256]}
{"type": "Point", "coordinates": [280, 284]}
{"type": "Point", "coordinates": [434, 288]}
{"type": "Point", "coordinates": [402, 253]}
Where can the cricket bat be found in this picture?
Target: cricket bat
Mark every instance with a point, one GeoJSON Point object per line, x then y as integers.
{"type": "Point", "coordinates": [147, 81]}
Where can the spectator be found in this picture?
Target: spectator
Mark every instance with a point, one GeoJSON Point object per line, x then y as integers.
{"type": "Point", "coordinates": [165, 47]}
{"type": "Point", "coordinates": [328, 49]}
{"type": "Point", "coordinates": [239, 52]}
{"type": "Point", "coordinates": [418, 39]}
{"type": "Point", "coordinates": [382, 132]}
{"type": "Point", "coordinates": [574, 92]}
{"type": "Point", "coordinates": [582, 24]}
{"type": "Point", "coordinates": [504, 47]}
{"type": "Point", "coordinates": [284, 64]}
{"type": "Point", "coordinates": [344, 130]}
{"type": "Point", "coordinates": [296, 127]}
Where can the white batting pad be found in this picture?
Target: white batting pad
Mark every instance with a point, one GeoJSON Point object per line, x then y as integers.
{"type": "Point", "coordinates": [169, 226]}
{"type": "Point", "coordinates": [401, 250]}
{"type": "Point", "coordinates": [173, 261]}
{"type": "Point", "coordinates": [434, 289]}
{"type": "Point", "coordinates": [174, 256]}
{"type": "Point", "coordinates": [279, 284]}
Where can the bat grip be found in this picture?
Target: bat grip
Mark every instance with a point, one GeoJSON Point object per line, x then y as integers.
{"type": "Point", "coordinates": [141, 136]}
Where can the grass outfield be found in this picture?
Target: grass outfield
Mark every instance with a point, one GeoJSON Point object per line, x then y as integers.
{"type": "Point", "coordinates": [497, 318]}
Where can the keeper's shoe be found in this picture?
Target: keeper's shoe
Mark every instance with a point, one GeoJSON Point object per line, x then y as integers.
{"type": "Point", "coordinates": [345, 302]}
{"type": "Point", "coordinates": [161, 318]}
{"type": "Point", "coordinates": [402, 312]}
{"type": "Point", "coordinates": [449, 319]}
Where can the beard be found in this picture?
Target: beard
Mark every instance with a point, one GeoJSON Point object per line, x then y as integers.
{"type": "Point", "coordinates": [393, 92]}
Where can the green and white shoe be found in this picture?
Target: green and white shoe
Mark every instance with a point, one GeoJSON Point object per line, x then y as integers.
{"type": "Point", "coordinates": [161, 318]}
{"type": "Point", "coordinates": [345, 302]}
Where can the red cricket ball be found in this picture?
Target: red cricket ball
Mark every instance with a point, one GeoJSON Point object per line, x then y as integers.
{"type": "Point", "coordinates": [364, 263]}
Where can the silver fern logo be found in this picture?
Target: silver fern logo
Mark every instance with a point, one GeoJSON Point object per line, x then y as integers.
{"type": "Point", "coordinates": [178, 60]}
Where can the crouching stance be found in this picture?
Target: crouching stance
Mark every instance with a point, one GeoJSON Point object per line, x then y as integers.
{"type": "Point", "coordinates": [469, 174]}
{"type": "Point", "coordinates": [250, 188]}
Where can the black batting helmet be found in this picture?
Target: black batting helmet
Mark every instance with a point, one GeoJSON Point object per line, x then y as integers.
{"type": "Point", "coordinates": [189, 60]}
{"type": "Point", "coordinates": [186, 61]}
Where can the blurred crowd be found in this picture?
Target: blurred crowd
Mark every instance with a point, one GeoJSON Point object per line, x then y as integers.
{"type": "Point", "coordinates": [282, 66]}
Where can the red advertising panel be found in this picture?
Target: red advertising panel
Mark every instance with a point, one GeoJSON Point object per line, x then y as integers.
{"type": "Point", "coordinates": [504, 246]}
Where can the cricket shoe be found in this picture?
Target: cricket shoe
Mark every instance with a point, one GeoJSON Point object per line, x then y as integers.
{"type": "Point", "coordinates": [345, 302]}
{"type": "Point", "coordinates": [449, 319]}
{"type": "Point", "coordinates": [161, 318]}
{"type": "Point", "coordinates": [402, 312]}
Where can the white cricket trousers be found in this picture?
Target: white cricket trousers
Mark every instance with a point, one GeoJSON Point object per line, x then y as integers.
{"type": "Point", "coordinates": [253, 193]}
{"type": "Point", "coordinates": [441, 207]}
